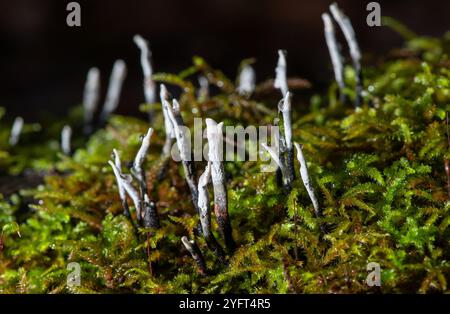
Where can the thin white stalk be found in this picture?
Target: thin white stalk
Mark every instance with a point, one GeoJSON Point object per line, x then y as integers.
{"type": "Point", "coordinates": [66, 135]}
{"type": "Point", "coordinates": [336, 58]}
{"type": "Point", "coordinates": [348, 31]}
{"type": "Point", "coordinates": [91, 95]}
{"type": "Point", "coordinates": [118, 165]}
{"type": "Point", "coordinates": [281, 73]}
{"type": "Point", "coordinates": [164, 96]}
{"type": "Point", "coordinates": [138, 170]}
{"type": "Point", "coordinates": [125, 181]}
{"type": "Point", "coordinates": [193, 249]}
{"type": "Point", "coordinates": [149, 84]}
{"type": "Point", "coordinates": [285, 109]}
{"type": "Point", "coordinates": [305, 178]}
{"type": "Point", "coordinates": [203, 201]}
{"type": "Point", "coordinates": [15, 131]}
{"type": "Point", "coordinates": [247, 79]}
{"type": "Point", "coordinates": [114, 89]}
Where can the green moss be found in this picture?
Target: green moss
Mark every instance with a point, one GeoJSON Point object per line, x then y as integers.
{"type": "Point", "coordinates": [378, 171]}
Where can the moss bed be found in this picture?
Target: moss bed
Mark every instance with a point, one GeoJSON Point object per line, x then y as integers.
{"type": "Point", "coordinates": [379, 172]}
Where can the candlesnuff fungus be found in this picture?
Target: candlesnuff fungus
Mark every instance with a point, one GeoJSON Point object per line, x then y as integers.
{"type": "Point", "coordinates": [285, 108]}
{"type": "Point", "coordinates": [335, 55]}
{"type": "Point", "coordinates": [284, 171]}
{"type": "Point", "coordinates": [91, 96]}
{"type": "Point", "coordinates": [122, 193]}
{"type": "Point", "coordinates": [246, 81]}
{"type": "Point", "coordinates": [305, 179]}
{"type": "Point", "coordinates": [137, 170]}
{"type": "Point", "coordinates": [183, 144]}
{"type": "Point", "coordinates": [66, 135]}
{"type": "Point", "coordinates": [203, 92]}
{"type": "Point", "coordinates": [215, 155]}
{"type": "Point", "coordinates": [196, 254]}
{"type": "Point", "coordinates": [16, 129]}
{"type": "Point", "coordinates": [149, 84]}
{"type": "Point", "coordinates": [149, 215]}
{"type": "Point", "coordinates": [205, 213]}
{"type": "Point", "coordinates": [125, 182]}
{"type": "Point", "coordinates": [281, 73]}
{"type": "Point", "coordinates": [168, 127]}
{"type": "Point", "coordinates": [114, 89]}
{"type": "Point", "coordinates": [355, 53]}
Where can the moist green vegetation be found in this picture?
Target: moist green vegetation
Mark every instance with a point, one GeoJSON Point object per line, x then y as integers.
{"type": "Point", "coordinates": [379, 174]}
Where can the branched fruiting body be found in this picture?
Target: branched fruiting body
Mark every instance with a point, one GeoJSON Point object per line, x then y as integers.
{"type": "Point", "coordinates": [138, 170]}
{"type": "Point", "coordinates": [122, 193]}
{"type": "Point", "coordinates": [305, 179]}
{"type": "Point", "coordinates": [114, 89]}
{"type": "Point", "coordinates": [91, 97]}
{"type": "Point", "coordinates": [215, 141]}
{"type": "Point", "coordinates": [183, 145]}
{"type": "Point", "coordinates": [125, 182]}
{"type": "Point", "coordinates": [196, 254]}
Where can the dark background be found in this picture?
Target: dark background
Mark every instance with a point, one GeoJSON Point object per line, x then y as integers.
{"type": "Point", "coordinates": [43, 62]}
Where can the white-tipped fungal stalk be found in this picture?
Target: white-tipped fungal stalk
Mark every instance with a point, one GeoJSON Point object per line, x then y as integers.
{"type": "Point", "coordinates": [149, 84]}
{"type": "Point", "coordinates": [16, 129]}
{"type": "Point", "coordinates": [247, 79]}
{"type": "Point", "coordinates": [305, 178]}
{"type": "Point", "coordinates": [336, 58]}
{"type": "Point", "coordinates": [91, 97]}
{"type": "Point", "coordinates": [118, 164]}
{"type": "Point", "coordinates": [281, 73]}
{"type": "Point", "coordinates": [355, 53]}
{"type": "Point", "coordinates": [203, 92]}
{"type": "Point", "coordinates": [66, 135]}
{"type": "Point", "coordinates": [164, 96]}
{"type": "Point", "coordinates": [196, 254]}
{"type": "Point", "coordinates": [137, 169]}
{"type": "Point", "coordinates": [347, 30]}
{"type": "Point", "coordinates": [285, 109]}
{"type": "Point", "coordinates": [214, 134]}
{"type": "Point", "coordinates": [116, 79]}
